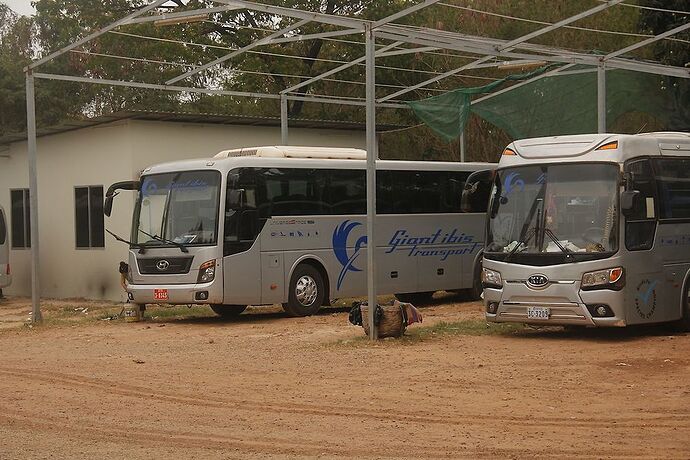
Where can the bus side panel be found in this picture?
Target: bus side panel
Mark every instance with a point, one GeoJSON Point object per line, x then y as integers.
{"type": "Point", "coordinates": [396, 272]}
{"type": "Point", "coordinates": [273, 289]}
{"type": "Point", "coordinates": [242, 277]}
{"type": "Point", "coordinates": [673, 243]}
{"type": "Point", "coordinates": [449, 263]}
{"type": "Point", "coordinates": [646, 298]}
{"type": "Point", "coordinates": [414, 252]}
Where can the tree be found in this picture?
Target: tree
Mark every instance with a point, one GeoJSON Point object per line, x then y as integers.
{"type": "Point", "coordinates": [672, 52]}
{"type": "Point", "coordinates": [15, 53]}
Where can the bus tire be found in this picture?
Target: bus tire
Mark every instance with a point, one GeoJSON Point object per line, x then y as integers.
{"type": "Point", "coordinates": [683, 324]}
{"type": "Point", "coordinates": [415, 298]}
{"type": "Point", "coordinates": [307, 291]}
{"type": "Point", "coordinates": [476, 290]}
{"type": "Point", "coordinates": [228, 311]}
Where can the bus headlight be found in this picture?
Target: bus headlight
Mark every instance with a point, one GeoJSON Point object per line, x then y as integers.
{"type": "Point", "coordinates": [610, 278]}
{"type": "Point", "coordinates": [491, 278]}
{"type": "Point", "coordinates": [207, 271]}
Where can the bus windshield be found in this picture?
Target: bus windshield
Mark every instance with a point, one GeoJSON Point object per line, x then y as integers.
{"type": "Point", "coordinates": [569, 210]}
{"type": "Point", "coordinates": [179, 207]}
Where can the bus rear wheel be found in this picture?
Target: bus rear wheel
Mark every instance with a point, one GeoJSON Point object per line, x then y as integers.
{"type": "Point", "coordinates": [683, 324]}
{"type": "Point", "coordinates": [228, 311]}
{"type": "Point", "coordinates": [307, 291]}
{"type": "Point", "coordinates": [477, 288]}
{"type": "Point", "coordinates": [415, 298]}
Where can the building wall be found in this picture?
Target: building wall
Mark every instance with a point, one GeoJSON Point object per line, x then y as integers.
{"type": "Point", "coordinates": [102, 155]}
{"type": "Point", "coordinates": [156, 142]}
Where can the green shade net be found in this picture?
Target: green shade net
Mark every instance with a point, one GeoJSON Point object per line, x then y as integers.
{"type": "Point", "coordinates": [447, 113]}
{"type": "Point", "coordinates": [561, 104]}
{"type": "Point", "coordinates": [567, 104]}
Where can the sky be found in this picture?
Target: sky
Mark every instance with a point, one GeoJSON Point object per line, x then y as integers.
{"type": "Point", "coordinates": [20, 6]}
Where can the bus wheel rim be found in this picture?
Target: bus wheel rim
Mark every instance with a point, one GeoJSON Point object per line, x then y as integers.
{"type": "Point", "coordinates": [306, 290]}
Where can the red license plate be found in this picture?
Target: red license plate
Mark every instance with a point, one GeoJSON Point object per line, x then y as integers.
{"type": "Point", "coordinates": [160, 294]}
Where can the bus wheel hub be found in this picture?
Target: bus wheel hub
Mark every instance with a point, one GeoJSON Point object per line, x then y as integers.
{"type": "Point", "coordinates": [306, 291]}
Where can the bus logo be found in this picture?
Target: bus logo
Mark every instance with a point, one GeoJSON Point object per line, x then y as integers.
{"type": "Point", "coordinates": [537, 281]}
{"type": "Point", "coordinates": [645, 299]}
{"type": "Point", "coordinates": [513, 182]}
{"type": "Point", "coordinates": [341, 235]}
{"type": "Point", "coordinates": [162, 265]}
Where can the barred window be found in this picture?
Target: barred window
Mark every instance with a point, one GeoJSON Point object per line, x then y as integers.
{"type": "Point", "coordinates": [88, 212]}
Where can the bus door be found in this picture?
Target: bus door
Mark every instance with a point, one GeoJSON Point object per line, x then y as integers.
{"type": "Point", "coordinates": [672, 176]}
{"type": "Point", "coordinates": [646, 298]}
{"type": "Point", "coordinates": [241, 260]}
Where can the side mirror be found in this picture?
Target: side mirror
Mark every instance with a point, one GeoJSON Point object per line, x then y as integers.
{"type": "Point", "coordinates": [629, 200]}
{"type": "Point", "coordinates": [475, 194]}
{"type": "Point", "coordinates": [236, 199]}
{"type": "Point", "coordinates": [113, 192]}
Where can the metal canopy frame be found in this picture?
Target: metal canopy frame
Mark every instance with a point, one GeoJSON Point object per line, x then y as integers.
{"type": "Point", "coordinates": [402, 39]}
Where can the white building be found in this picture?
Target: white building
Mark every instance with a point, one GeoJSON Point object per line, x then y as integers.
{"type": "Point", "coordinates": [77, 162]}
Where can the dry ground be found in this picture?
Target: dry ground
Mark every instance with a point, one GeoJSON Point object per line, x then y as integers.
{"type": "Point", "coordinates": [268, 386]}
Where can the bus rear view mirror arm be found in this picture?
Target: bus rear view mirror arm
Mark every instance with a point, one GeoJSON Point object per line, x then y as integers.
{"type": "Point", "coordinates": [475, 194]}
{"type": "Point", "coordinates": [629, 199]}
{"type": "Point", "coordinates": [113, 192]}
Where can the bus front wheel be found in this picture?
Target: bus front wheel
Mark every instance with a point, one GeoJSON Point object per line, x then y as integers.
{"type": "Point", "coordinates": [307, 291]}
{"type": "Point", "coordinates": [228, 311]}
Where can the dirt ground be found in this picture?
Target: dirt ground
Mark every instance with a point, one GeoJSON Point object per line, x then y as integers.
{"type": "Point", "coordinates": [268, 386]}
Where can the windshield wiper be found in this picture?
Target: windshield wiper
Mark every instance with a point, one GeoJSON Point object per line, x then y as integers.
{"type": "Point", "coordinates": [568, 253]}
{"type": "Point", "coordinates": [182, 247]}
{"type": "Point", "coordinates": [141, 247]}
{"type": "Point", "coordinates": [522, 242]}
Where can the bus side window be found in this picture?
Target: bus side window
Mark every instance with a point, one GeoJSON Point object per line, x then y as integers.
{"type": "Point", "coordinates": [384, 192]}
{"type": "Point", "coordinates": [416, 192]}
{"type": "Point", "coordinates": [347, 192]}
{"type": "Point", "coordinates": [640, 223]}
{"type": "Point", "coordinates": [673, 180]}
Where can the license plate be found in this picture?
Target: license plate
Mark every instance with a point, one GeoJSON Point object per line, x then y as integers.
{"type": "Point", "coordinates": [538, 313]}
{"type": "Point", "coordinates": [160, 294]}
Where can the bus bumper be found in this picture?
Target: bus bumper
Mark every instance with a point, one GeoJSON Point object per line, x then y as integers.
{"type": "Point", "coordinates": [185, 294]}
{"type": "Point", "coordinates": [578, 310]}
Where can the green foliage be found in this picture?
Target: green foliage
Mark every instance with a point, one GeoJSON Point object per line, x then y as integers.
{"type": "Point", "coordinates": [15, 45]}
{"type": "Point", "coordinates": [60, 22]}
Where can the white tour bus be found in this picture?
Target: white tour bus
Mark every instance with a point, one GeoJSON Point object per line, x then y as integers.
{"type": "Point", "coordinates": [286, 225]}
{"type": "Point", "coordinates": [5, 277]}
{"type": "Point", "coordinates": [590, 230]}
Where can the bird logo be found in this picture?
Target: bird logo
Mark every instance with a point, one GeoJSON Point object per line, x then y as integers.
{"type": "Point", "coordinates": [341, 234]}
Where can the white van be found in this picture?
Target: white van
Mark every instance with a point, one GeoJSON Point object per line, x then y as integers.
{"type": "Point", "coordinates": [5, 277]}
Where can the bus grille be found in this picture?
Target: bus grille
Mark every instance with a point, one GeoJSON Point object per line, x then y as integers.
{"type": "Point", "coordinates": [165, 265]}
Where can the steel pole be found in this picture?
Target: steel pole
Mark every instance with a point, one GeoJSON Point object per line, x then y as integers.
{"type": "Point", "coordinates": [462, 146]}
{"type": "Point", "coordinates": [33, 197]}
{"type": "Point", "coordinates": [371, 177]}
{"type": "Point", "coordinates": [283, 119]}
{"type": "Point", "coordinates": [601, 98]}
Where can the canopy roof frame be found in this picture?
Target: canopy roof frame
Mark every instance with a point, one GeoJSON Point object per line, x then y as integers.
{"type": "Point", "coordinates": [426, 40]}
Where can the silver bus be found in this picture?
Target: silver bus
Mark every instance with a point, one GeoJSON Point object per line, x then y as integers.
{"type": "Point", "coordinates": [5, 276]}
{"type": "Point", "coordinates": [286, 225]}
{"type": "Point", "coordinates": [590, 230]}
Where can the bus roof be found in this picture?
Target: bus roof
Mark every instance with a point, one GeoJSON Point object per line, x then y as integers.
{"type": "Point", "coordinates": [595, 147]}
{"type": "Point", "coordinates": [306, 157]}
{"type": "Point", "coordinates": [283, 151]}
